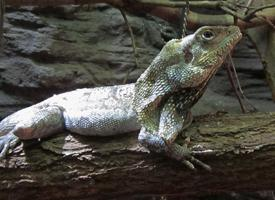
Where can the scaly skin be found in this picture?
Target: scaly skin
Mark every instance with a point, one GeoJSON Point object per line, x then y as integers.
{"type": "Point", "coordinates": [173, 83]}
{"type": "Point", "coordinates": [161, 99]}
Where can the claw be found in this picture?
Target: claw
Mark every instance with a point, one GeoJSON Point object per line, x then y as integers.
{"type": "Point", "coordinates": [189, 165]}
{"type": "Point", "coordinates": [4, 151]}
{"type": "Point", "coordinates": [200, 163]}
{"type": "Point", "coordinates": [7, 142]}
{"type": "Point", "coordinates": [183, 154]}
{"type": "Point", "coordinates": [14, 142]}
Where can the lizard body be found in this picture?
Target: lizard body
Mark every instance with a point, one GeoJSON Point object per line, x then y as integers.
{"type": "Point", "coordinates": [159, 102]}
{"type": "Point", "coordinates": [99, 111]}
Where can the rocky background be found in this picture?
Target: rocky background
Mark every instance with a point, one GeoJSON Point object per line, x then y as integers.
{"type": "Point", "coordinates": [51, 50]}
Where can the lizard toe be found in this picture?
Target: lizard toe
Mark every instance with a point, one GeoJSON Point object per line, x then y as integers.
{"type": "Point", "coordinates": [200, 163]}
{"type": "Point", "coordinates": [189, 165]}
{"type": "Point", "coordinates": [7, 142]}
{"type": "Point", "coordinates": [4, 151]}
{"type": "Point", "coordinates": [184, 154]}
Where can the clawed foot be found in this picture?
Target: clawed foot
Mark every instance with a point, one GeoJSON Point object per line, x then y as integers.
{"type": "Point", "coordinates": [7, 142]}
{"type": "Point", "coordinates": [183, 154]}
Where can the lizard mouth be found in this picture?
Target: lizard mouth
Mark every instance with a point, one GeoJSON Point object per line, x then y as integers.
{"type": "Point", "coordinates": [229, 43]}
{"type": "Point", "coordinates": [214, 58]}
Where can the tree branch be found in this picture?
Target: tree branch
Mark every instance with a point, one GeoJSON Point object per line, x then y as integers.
{"type": "Point", "coordinates": [168, 3]}
{"type": "Point", "coordinates": [180, 4]}
{"type": "Point", "coordinates": [169, 10]}
{"type": "Point", "coordinates": [252, 13]}
{"type": "Point", "coordinates": [240, 149]}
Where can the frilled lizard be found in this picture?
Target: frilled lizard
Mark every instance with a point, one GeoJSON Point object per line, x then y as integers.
{"type": "Point", "coordinates": [159, 102]}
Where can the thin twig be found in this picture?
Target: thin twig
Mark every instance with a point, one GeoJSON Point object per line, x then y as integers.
{"type": "Point", "coordinates": [133, 44]}
{"type": "Point", "coordinates": [243, 6]}
{"type": "Point", "coordinates": [239, 88]}
{"type": "Point", "coordinates": [231, 79]}
{"type": "Point", "coordinates": [204, 4]}
{"type": "Point", "coordinates": [246, 9]}
{"type": "Point", "coordinates": [184, 14]}
{"type": "Point", "coordinates": [232, 12]}
{"type": "Point", "coordinates": [252, 13]}
{"type": "Point", "coordinates": [225, 6]}
{"type": "Point", "coordinates": [267, 20]}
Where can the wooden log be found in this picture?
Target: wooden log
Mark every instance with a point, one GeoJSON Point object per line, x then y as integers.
{"type": "Point", "coordinates": [239, 148]}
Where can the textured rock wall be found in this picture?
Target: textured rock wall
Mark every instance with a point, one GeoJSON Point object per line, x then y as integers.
{"type": "Point", "coordinates": [51, 50]}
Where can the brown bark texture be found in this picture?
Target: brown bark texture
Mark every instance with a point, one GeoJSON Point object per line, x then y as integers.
{"type": "Point", "coordinates": [239, 148]}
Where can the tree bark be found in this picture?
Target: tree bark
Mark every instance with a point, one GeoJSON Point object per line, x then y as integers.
{"type": "Point", "coordinates": [239, 148]}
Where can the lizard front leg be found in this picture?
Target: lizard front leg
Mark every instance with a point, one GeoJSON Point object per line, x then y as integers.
{"type": "Point", "coordinates": [29, 123]}
{"type": "Point", "coordinates": [181, 153]}
{"type": "Point", "coordinates": [173, 119]}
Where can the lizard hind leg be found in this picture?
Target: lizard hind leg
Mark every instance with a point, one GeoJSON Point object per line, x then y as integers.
{"type": "Point", "coordinates": [29, 123]}
{"type": "Point", "coordinates": [40, 123]}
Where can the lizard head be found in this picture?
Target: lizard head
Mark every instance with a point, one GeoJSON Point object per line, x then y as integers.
{"type": "Point", "coordinates": [194, 58]}
{"type": "Point", "coordinates": [199, 55]}
{"type": "Point", "coordinates": [209, 45]}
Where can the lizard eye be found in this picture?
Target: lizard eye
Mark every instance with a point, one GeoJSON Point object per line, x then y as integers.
{"type": "Point", "coordinates": [208, 35]}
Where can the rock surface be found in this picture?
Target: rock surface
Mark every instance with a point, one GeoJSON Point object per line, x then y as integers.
{"type": "Point", "coordinates": [51, 50]}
